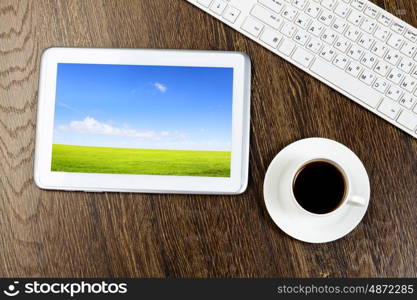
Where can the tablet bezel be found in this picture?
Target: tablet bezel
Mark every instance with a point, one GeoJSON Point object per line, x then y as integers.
{"type": "Point", "coordinates": [98, 182]}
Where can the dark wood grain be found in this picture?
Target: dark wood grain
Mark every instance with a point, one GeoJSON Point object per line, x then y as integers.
{"type": "Point", "coordinates": [48, 233]}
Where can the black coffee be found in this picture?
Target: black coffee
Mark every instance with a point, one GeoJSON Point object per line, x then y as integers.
{"type": "Point", "coordinates": [319, 187]}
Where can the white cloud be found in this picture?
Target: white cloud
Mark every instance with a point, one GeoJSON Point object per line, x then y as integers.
{"type": "Point", "coordinates": [160, 87]}
{"type": "Point", "coordinates": [91, 126]}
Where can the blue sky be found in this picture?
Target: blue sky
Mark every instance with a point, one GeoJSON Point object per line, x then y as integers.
{"type": "Point", "coordinates": [155, 107]}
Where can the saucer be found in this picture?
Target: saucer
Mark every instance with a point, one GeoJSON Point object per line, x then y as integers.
{"type": "Point", "coordinates": [282, 208]}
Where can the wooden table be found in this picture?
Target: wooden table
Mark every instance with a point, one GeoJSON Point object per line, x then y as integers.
{"type": "Point", "coordinates": [48, 233]}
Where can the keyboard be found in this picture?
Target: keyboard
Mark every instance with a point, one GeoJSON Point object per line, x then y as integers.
{"type": "Point", "coordinates": [353, 46]}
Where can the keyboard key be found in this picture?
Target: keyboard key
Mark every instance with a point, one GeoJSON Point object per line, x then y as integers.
{"type": "Point", "coordinates": [313, 10]}
{"type": "Point", "coordinates": [392, 57]}
{"type": "Point", "coordinates": [384, 19]}
{"type": "Point", "coordinates": [303, 57]}
{"type": "Point", "coordinates": [316, 28]}
{"type": "Point", "coordinates": [358, 4]}
{"type": "Point", "coordinates": [231, 14]}
{"type": "Point", "coordinates": [408, 120]}
{"type": "Point", "coordinates": [406, 65]}
{"type": "Point", "coordinates": [381, 33]}
{"type": "Point", "coordinates": [218, 6]}
{"type": "Point", "coordinates": [275, 5]}
{"type": "Point", "coordinates": [354, 69]}
{"type": "Point", "coordinates": [369, 60]}
{"type": "Point", "coordinates": [300, 4]}
{"type": "Point", "coordinates": [265, 16]}
{"type": "Point", "coordinates": [368, 25]}
{"type": "Point", "coordinates": [339, 25]}
{"type": "Point", "coordinates": [345, 82]}
{"type": "Point", "coordinates": [409, 83]}
{"type": "Point", "coordinates": [341, 61]}
{"type": "Point", "coordinates": [366, 41]}
{"type": "Point", "coordinates": [371, 12]}
{"type": "Point", "coordinates": [252, 26]}
{"type": "Point", "coordinates": [327, 53]}
{"type": "Point", "coordinates": [380, 85]}
{"type": "Point", "coordinates": [411, 34]}
{"type": "Point", "coordinates": [287, 47]}
{"type": "Point", "coordinates": [355, 52]}
{"type": "Point", "coordinates": [342, 44]}
{"type": "Point", "coordinates": [326, 17]}
{"type": "Point", "coordinates": [288, 29]}
{"type": "Point", "coordinates": [394, 93]}
{"type": "Point", "coordinates": [395, 76]}
{"type": "Point", "coordinates": [352, 34]}
{"type": "Point", "coordinates": [205, 3]}
{"type": "Point", "coordinates": [389, 108]}
{"type": "Point", "coordinates": [382, 68]}
{"type": "Point", "coordinates": [314, 45]}
{"type": "Point", "coordinates": [271, 37]}
{"type": "Point", "coordinates": [289, 13]}
{"type": "Point", "coordinates": [407, 101]}
{"type": "Point", "coordinates": [329, 4]}
{"type": "Point", "coordinates": [329, 36]}
{"type": "Point", "coordinates": [302, 20]}
{"type": "Point", "coordinates": [395, 41]}
{"type": "Point", "coordinates": [301, 37]}
{"type": "Point", "coordinates": [342, 10]}
{"type": "Point", "coordinates": [409, 49]}
{"type": "Point", "coordinates": [355, 17]}
{"type": "Point", "coordinates": [367, 77]}
{"type": "Point", "coordinates": [398, 28]}
{"type": "Point", "coordinates": [379, 49]}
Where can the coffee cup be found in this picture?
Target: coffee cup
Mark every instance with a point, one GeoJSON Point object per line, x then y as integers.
{"type": "Point", "coordinates": [321, 186]}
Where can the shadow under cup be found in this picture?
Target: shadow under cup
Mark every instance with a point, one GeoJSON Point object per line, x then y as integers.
{"type": "Point", "coordinates": [320, 186]}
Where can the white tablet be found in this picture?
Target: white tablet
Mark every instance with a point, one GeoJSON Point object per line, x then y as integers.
{"type": "Point", "coordinates": [162, 121]}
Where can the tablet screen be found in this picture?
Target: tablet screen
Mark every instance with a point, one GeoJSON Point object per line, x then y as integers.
{"type": "Point", "coordinates": [148, 120]}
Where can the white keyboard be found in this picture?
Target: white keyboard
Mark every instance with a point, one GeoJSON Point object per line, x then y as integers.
{"type": "Point", "coordinates": [353, 46]}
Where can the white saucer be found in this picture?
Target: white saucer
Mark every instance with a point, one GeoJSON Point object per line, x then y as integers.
{"type": "Point", "coordinates": [285, 213]}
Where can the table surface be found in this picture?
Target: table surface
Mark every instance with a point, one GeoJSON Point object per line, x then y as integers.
{"type": "Point", "coordinates": [61, 234]}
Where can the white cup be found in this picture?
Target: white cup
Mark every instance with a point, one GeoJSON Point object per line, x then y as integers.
{"type": "Point", "coordinates": [348, 197]}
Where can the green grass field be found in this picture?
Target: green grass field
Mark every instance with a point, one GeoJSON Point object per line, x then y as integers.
{"type": "Point", "coordinates": [82, 159]}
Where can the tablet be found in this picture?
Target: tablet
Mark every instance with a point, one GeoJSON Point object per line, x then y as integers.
{"type": "Point", "coordinates": [158, 121]}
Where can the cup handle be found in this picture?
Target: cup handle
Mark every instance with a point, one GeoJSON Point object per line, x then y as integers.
{"type": "Point", "coordinates": [357, 201]}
